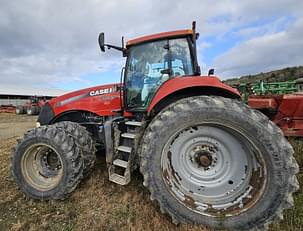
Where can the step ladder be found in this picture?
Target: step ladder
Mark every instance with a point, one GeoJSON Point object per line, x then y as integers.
{"type": "Point", "coordinates": [119, 171]}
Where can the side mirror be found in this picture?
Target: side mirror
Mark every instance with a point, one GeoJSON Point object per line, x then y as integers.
{"type": "Point", "coordinates": [211, 71]}
{"type": "Point", "coordinates": [101, 42]}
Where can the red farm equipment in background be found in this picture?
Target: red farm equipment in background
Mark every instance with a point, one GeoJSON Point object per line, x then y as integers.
{"type": "Point", "coordinates": [284, 110]}
{"type": "Point", "coordinates": [32, 107]}
{"type": "Point", "coordinates": [8, 108]}
{"type": "Point", "coordinates": [282, 102]}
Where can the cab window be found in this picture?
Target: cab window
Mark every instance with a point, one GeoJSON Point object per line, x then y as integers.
{"type": "Point", "coordinates": [150, 65]}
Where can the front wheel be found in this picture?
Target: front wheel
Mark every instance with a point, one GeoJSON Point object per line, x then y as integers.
{"type": "Point", "coordinates": [47, 163]}
{"type": "Point", "coordinates": [215, 161]}
{"type": "Point", "coordinates": [85, 142]}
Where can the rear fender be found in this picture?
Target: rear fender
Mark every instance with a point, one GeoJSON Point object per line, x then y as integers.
{"type": "Point", "coordinates": [178, 88]}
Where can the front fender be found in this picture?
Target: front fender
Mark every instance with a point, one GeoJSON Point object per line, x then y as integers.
{"type": "Point", "coordinates": [46, 114]}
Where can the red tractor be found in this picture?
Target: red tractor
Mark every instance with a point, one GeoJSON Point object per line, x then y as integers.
{"type": "Point", "coordinates": [32, 107]}
{"type": "Point", "coordinates": [206, 157]}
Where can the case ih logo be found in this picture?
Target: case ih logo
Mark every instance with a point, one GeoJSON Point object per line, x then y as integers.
{"type": "Point", "coordinates": [101, 91]}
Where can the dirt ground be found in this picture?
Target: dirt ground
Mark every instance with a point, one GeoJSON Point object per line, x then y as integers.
{"type": "Point", "coordinates": [97, 204]}
{"type": "Point", "coordinates": [13, 126]}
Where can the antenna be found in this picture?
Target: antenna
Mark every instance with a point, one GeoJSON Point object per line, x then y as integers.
{"type": "Point", "coordinates": [194, 27]}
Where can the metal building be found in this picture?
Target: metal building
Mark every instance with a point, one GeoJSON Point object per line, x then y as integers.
{"type": "Point", "coordinates": [19, 95]}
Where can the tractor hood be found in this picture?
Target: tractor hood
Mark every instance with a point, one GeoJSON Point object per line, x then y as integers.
{"type": "Point", "coordinates": [101, 100]}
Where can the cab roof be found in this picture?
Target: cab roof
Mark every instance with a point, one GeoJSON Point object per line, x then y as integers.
{"type": "Point", "coordinates": [162, 35]}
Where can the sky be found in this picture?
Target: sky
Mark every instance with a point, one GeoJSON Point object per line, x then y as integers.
{"type": "Point", "coordinates": [53, 44]}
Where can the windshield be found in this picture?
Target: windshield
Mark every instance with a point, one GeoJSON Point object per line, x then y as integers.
{"type": "Point", "coordinates": [151, 64]}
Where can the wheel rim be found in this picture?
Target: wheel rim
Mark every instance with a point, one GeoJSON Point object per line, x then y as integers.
{"type": "Point", "coordinates": [213, 169]}
{"type": "Point", "coordinates": [42, 167]}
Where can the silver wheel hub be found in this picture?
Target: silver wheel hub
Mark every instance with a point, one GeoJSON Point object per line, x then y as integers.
{"type": "Point", "coordinates": [49, 163]}
{"type": "Point", "coordinates": [208, 168]}
{"type": "Point", "coordinates": [41, 167]}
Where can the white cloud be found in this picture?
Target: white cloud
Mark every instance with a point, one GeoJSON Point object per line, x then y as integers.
{"type": "Point", "coordinates": [263, 53]}
{"type": "Point", "coordinates": [49, 42]}
{"type": "Point", "coordinates": [264, 29]}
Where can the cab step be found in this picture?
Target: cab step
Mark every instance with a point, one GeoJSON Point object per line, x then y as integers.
{"type": "Point", "coordinates": [120, 163]}
{"type": "Point", "coordinates": [118, 179]}
{"type": "Point", "coordinates": [134, 123]}
{"type": "Point", "coordinates": [128, 135]}
{"type": "Point", "coordinates": [121, 160]}
{"type": "Point", "coordinates": [125, 149]}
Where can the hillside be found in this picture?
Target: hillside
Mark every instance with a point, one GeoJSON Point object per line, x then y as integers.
{"type": "Point", "coordinates": [286, 74]}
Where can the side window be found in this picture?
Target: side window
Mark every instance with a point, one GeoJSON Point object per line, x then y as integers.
{"type": "Point", "coordinates": [180, 57]}
{"type": "Point", "coordinates": [146, 61]}
{"type": "Point", "coordinates": [177, 67]}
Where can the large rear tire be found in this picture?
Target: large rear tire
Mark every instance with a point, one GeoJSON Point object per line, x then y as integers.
{"type": "Point", "coordinates": [216, 162]}
{"type": "Point", "coordinates": [84, 141]}
{"type": "Point", "coordinates": [47, 164]}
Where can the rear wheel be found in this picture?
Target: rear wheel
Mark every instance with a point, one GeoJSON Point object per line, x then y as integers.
{"type": "Point", "coordinates": [20, 110]}
{"type": "Point", "coordinates": [33, 110]}
{"type": "Point", "coordinates": [218, 163]}
{"type": "Point", "coordinates": [47, 164]}
{"type": "Point", "coordinates": [30, 110]}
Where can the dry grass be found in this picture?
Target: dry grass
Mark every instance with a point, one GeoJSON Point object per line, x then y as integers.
{"type": "Point", "coordinates": [96, 205]}
{"type": "Point", "coordinates": [100, 205]}
{"type": "Point", "coordinates": [293, 218]}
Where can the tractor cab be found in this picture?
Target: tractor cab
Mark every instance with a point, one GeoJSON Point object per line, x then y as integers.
{"type": "Point", "coordinates": [152, 60]}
